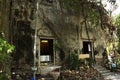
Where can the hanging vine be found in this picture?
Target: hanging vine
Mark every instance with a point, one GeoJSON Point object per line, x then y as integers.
{"type": "Point", "coordinates": [96, 13]}
{"type": "Point", "coordinates": [93, 13]}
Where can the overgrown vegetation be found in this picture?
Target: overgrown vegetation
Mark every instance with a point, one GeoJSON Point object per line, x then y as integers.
{"type": "Point", "coordinates": [5, 58]}
{"type": "Point", "coordinates": [92, 13]}
{"type": "Point", "coordinates": [73, 61]}
{"type": "Point", "coordinates": [117, 23]}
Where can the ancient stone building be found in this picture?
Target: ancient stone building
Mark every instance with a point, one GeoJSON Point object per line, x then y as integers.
{"type": "Point", "coordinates": [59, 33]}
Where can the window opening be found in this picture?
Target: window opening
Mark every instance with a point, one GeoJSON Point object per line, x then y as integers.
{"type": "Point", "coordinates": [46, 50]}
{"type": "Point", "coordinates": [86, 47]}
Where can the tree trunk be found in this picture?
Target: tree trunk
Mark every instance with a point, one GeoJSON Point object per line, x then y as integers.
{"type": "Point", "coordinates": [4, 26]}
{"type": "Point", "coordinates": [87, 32]}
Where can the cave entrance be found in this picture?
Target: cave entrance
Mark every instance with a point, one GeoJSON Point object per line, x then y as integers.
{"type": "Point", "coordinates": [86, 47]}
{"type": "Point", "coordinates": [46, 50]}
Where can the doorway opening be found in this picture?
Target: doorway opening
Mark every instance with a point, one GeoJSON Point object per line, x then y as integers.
{"type": "Point", "coordinates": [46, 50]}
{"type": "Point", "coordinates": [86, 47]}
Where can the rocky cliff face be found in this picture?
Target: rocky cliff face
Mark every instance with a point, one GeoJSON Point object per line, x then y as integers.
{"type": "Point", "coordinates": [22, 17]}
{"type": "Point", "coordinates": [67, 30]}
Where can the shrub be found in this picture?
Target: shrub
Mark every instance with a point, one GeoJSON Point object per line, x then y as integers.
{"type": "Point", "coordinates": [5, 57]}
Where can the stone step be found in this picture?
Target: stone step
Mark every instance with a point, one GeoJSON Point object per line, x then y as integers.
{"type": "Point", "coordinates": [101, 69]}
{"type": "Point", "coordinates": [98, 66]}
{"type": "Point", "coordinates": [107, 74]}
{"type": "Point", "coordinates": [104, 71]}
{"type": "Point", "coordinates": [99, 60]}
{"type": "Point", "coordinates": [117, 77]}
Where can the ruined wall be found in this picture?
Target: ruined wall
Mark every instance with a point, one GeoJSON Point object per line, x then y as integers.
{"type": "Point", "coordinates": [68, 31]}
{"type": "Point", "coordinates": [23, 35]}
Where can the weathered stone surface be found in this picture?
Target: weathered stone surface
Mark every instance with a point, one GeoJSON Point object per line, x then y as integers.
{"type": "Point", "coordinates": [52, 22]}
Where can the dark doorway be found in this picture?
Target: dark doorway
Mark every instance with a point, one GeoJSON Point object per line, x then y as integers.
{"type": "Point", "coordinates": [86, 47]}
{"type": "Point", "coordinates": [46, 49]}
{"type": "Point", "coordinates": [23, 42]}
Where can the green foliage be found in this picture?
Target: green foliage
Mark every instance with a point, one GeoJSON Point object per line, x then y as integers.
{"type": "Point", "coordinates": [77, 6]}
{"type": "Point", "coordinates": [4, 76]}
{"type": "Point", "coordinates": [5, 47]}
{"type": "Point", "coordinates": [71, 5]}
{"type": "Point", "coordinates": [73, 61]}
{"type": "Point", "coordinates": [117, 23]}
{"type": "Point", "coordinates": [118, 63]}
{"type": "Point", "coordinates": [94, 16]}
{"type": "Point", "coordinates": [5, 56]}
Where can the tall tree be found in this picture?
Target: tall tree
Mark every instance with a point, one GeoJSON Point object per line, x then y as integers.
{"type": "Point", "coordinates": [5, 10]}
